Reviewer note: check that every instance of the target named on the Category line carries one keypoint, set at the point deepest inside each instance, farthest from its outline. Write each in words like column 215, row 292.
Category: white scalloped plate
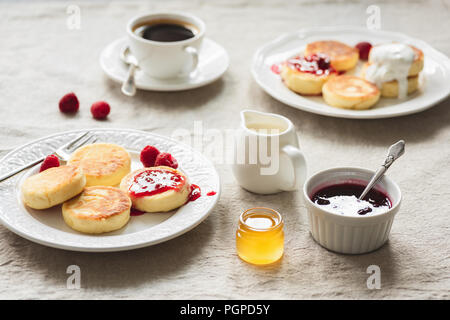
column 47, row 227
column 434, row 79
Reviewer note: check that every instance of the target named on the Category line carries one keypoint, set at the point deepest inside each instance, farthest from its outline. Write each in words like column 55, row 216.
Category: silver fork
column 62, row 152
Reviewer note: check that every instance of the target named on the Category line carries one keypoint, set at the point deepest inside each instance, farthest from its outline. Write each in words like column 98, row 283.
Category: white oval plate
column 213, row 62
column 434, row 79
column 47, row 227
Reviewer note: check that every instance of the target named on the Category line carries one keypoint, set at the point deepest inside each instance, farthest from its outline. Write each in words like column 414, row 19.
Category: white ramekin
column 349, row 234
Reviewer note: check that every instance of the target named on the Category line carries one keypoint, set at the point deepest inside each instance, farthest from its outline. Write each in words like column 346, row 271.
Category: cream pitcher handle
column 299, row 163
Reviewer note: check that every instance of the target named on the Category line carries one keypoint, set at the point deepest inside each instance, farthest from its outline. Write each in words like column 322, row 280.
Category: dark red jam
column 211, row 193
column 136, row 212
column 318, row 64
column 154, row 181
column 343, row 199
column 195, row 193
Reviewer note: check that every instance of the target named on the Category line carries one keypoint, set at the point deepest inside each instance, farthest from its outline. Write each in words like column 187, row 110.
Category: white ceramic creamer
column 267, row 157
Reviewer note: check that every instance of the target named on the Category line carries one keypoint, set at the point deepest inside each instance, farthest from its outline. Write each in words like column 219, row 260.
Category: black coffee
column 165, row 31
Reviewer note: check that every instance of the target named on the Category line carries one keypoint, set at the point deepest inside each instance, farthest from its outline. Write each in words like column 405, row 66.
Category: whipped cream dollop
column 390, row 62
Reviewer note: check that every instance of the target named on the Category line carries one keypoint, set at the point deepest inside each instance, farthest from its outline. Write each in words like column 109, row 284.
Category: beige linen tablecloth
column 41, row 60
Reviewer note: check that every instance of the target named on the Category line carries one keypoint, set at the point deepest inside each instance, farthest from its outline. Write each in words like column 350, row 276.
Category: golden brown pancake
column 342, row 56
column 302, row 82
column 416, row 66
column 350, row 92
column 97, row 209
column 103, row 164
column 389, row 89
column 146, row 197
column 52, row 186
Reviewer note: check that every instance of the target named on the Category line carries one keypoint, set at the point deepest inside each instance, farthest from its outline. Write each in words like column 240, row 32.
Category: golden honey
column 260, row 236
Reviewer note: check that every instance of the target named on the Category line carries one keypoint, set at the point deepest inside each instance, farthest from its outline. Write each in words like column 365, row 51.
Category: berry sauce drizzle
column 343, row 199
column 155, row 181
column 211, row 193
column 318, row 64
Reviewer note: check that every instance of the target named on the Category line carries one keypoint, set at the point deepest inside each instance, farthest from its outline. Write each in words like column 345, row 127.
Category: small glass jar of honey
column 260, row 236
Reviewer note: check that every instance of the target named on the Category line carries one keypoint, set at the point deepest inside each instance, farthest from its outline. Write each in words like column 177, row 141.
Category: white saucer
column 434, row 79
column 213, row 62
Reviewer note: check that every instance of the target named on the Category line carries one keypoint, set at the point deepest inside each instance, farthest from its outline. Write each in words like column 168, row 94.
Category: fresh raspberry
column 149, row 155
column 100, row 110
column 69, row 103
column 166, row 159
column 49, row 162
column 364, row 49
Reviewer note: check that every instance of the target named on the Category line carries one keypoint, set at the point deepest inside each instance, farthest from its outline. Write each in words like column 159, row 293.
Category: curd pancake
column 390, row 89
column 418, row 62
column 350, row 92
column 342, row 56
column 393, row 49
column 394, row 68
column 52, row 186
column 97, row 210
column 156, row 189
column 104, row 164
column 307, row 75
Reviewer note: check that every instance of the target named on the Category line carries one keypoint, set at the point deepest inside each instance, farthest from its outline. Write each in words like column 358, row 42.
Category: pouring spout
column 249, row 116
column 257, row 120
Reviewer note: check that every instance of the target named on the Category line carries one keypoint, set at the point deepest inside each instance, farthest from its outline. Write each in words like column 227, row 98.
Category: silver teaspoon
column 129, row 85
column 394, row 152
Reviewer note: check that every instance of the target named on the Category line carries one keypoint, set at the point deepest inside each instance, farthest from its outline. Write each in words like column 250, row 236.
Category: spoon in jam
column 395, row 151
column 129, row 86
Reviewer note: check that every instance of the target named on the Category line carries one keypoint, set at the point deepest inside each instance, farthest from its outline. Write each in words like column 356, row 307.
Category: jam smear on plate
column 196, row 192
column 276, row 68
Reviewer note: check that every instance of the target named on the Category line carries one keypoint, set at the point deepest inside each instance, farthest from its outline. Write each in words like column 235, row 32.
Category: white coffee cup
column 166, row 59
